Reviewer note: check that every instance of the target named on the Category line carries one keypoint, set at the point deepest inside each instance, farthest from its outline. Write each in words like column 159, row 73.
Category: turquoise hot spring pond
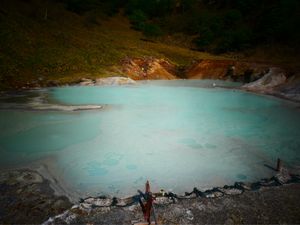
column 178, row 134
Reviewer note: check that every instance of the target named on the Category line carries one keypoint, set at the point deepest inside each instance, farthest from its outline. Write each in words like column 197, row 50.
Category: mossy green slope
column 66, row 46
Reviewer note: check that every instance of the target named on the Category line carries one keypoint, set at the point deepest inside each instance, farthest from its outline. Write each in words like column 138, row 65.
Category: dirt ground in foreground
column 275, row 205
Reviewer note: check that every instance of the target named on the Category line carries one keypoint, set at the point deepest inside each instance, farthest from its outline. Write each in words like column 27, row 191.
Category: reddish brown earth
column 219, row 69
column 148, row 69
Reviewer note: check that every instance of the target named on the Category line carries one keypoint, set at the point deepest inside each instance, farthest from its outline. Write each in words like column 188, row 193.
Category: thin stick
column 154, row 214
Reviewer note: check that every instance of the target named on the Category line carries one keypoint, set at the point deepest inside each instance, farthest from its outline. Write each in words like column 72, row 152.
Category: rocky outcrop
column 86, row 82
column 291, row 88
column 277, row 82
column 226, row 69
column 148, row 68
column 269, row 81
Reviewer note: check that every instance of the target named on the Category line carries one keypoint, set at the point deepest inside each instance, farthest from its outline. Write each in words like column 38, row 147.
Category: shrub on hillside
column 151, row 30
column 138, row 19
column 234, row 40
column 205, row 38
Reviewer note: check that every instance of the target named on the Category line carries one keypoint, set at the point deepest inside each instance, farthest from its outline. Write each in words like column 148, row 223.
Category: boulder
column 283, row 176
column 86, row 82
column 189, row 215
column 291, row 89
column 163, row 201
column 121, row 202
column 231, row 191
column 269, row 81
column 99, row 202
column 213, row 194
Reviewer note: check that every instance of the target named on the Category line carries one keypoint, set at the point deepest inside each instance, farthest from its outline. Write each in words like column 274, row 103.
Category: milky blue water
column 177, row 134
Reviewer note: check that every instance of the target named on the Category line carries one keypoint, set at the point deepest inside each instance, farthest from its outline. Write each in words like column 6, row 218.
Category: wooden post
column 279, row 165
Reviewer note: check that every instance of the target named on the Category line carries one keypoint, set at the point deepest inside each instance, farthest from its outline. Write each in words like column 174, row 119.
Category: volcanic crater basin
column 178, row 134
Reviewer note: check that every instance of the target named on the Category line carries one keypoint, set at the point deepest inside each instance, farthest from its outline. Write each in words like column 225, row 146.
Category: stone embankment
column 190, row 208
column 27, row 197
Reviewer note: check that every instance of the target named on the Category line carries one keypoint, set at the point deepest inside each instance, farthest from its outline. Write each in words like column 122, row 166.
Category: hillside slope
column 66, row 46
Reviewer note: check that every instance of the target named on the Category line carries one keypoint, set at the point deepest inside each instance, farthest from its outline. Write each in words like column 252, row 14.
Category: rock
column 242, row 186
column 28, row 177
column 114, row 81
column 178, row 211
column 231, row 191
column 99, row 202
column 86, row 82
column 291, row 89
column 214, row 193
column 189, row 196
column 190, row 215
column 85, row 206
column 163, row 201
column 102, row 209
column 272, row 79
column 201, row 207
column 133, row 208
column 268, row 182
column 124, row 201
column 283, row 176
column 67, row 217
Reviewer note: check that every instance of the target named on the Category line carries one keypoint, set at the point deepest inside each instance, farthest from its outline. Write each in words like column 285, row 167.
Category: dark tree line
column 219, row 25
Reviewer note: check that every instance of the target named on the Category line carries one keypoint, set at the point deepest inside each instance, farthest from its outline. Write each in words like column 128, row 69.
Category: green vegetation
column 219, row 26
column 68, row 46
column 226, row 25
column 65, row 40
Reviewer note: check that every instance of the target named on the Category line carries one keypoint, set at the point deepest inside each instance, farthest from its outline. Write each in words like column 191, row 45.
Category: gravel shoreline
column 28, row 198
